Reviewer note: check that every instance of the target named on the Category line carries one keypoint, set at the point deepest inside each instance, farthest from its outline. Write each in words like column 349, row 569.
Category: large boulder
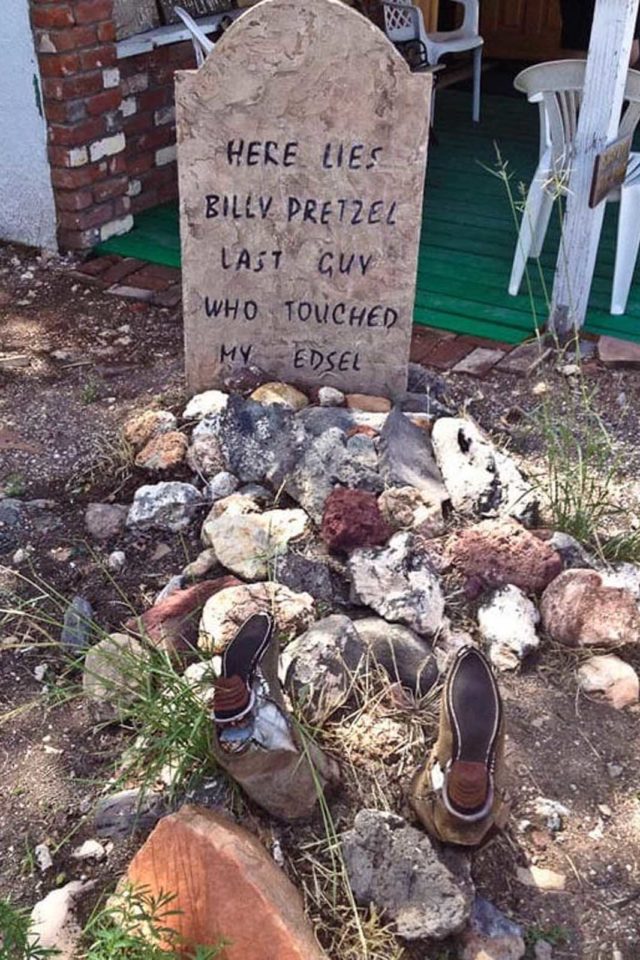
column 172, row 623
column 497, row 552
column 398, row 582
column 481, row 480
column 352, row 519
column 323, row 664
column 167, row 506
column 225, row 887
column 396, row 867
column 610, row 678
column 508, row 621
column 248, row 543
column 580, row 610
column 225, row 612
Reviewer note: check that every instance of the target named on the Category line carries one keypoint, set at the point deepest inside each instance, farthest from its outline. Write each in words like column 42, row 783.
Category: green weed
column 14, row 485
column 16, row 943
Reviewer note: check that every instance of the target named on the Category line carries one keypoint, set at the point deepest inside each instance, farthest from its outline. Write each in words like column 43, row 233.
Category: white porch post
column 608, row 61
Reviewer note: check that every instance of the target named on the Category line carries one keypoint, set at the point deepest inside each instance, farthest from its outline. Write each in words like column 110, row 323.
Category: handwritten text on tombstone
column 302, row 151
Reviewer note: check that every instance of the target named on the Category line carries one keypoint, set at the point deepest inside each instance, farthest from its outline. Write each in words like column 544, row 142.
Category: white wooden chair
column 201, row 43
column 404, row 22
column 557, row 89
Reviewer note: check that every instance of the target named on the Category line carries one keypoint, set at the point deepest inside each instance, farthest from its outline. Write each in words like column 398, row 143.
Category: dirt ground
column 92, row 358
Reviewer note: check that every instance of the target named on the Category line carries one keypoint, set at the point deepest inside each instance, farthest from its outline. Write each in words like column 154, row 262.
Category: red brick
column 486, row 344
column 72, row 179
column 77, row 135
column 73, row 38
column 144, row 280
column 144, row 200
column 122, row 269
column 158, row 176
column 107, row 32
column 59, row 64
column 117, row 164
column 91, row 11
column 74, row 199
column 121, row 206
column 163, row 73
column 152, row 99
column 99, row 57
column 103, row 102
column 65, row 111
column 446, row 353
column 153, row 139
column 107, row 189
column 69, row 88
column 98, row 265
column 84, row 219
column 51, row 17
column 137, row 123
column 139, row 162
column 168, row 191
column 479, row 362
column 78, row 239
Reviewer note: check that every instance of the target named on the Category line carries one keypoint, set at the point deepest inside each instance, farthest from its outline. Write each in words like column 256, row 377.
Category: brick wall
column 111, row 123
column 148, row 109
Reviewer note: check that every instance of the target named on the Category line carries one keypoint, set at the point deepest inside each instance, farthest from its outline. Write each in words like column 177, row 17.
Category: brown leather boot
column 459, row 793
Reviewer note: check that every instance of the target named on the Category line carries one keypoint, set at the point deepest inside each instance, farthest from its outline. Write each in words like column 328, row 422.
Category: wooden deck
column 468, row 232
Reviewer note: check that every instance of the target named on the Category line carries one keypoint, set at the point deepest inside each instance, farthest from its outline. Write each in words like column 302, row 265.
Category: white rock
column 227, row 610
column 116, row 561
column 247, row 544
column 398, row 582
column 612, row 678
column 205, row 405
column 481, row 480
column 43, row 857
column 164, row 506
column 330, row 397
column 53, row 925
column 625, row 575
column 40, row 671
column 89, row 850
column 541, row 878
column 508, row 623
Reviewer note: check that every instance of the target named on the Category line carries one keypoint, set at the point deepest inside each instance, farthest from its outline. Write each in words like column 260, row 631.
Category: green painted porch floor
column 468, row 231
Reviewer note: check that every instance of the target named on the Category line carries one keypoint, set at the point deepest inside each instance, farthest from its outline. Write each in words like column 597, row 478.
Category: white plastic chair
column 557, row 89
column 201, row 43
column 466, row 37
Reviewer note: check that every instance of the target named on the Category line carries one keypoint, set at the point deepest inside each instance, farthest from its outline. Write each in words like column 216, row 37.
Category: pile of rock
column 334, row 516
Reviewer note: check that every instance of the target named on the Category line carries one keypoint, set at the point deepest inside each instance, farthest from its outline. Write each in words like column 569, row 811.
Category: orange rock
column 362, row 401
column 142, row 427
column 226, row 887
column 163, row 452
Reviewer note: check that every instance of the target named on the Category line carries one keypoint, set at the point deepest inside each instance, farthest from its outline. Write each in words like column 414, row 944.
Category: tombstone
column 302, row 145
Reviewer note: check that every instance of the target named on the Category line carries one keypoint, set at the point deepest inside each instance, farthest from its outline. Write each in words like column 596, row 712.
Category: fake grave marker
column 302, row 146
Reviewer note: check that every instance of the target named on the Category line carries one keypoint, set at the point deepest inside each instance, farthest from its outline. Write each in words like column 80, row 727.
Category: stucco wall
column 27, row 212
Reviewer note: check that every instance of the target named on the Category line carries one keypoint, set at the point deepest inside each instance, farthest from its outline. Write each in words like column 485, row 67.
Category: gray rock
column 491, row 934
column 223, row 484
column 481, row 480
column 328, row 461
column 317, row 420
column 306, row 568
column 205, row 457
column 12, row 523
column 204, row 562
column 256, row 440
column 129, row 812
column 177, row 582
column 407, row 458
column 116, row 561
column 508, row 621
column 425, row 403
column 104, row 521
column 422, row 380
column 78, row 625
column 399, row 583
column 330, row 397
column 400, row 652
column 573, row 554
column 164, row 506
column 322, row 665
column 395, row 867
column 257, row 493
column 114, row 675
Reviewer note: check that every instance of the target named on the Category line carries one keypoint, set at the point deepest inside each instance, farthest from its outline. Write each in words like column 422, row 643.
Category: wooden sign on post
column 610, row 169
column 302, row 147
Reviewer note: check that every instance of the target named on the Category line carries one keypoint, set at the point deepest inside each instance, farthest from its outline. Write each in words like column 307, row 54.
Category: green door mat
column 468, row 231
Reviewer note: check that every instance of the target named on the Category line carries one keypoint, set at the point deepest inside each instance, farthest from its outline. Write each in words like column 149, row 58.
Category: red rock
column 498, row 552
column 362, row 401
column 364, row 429
column 172, row 624
column 580, row 611
column 163, row 452
column 352, row 519
column 225, row 887
column 142, row 427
